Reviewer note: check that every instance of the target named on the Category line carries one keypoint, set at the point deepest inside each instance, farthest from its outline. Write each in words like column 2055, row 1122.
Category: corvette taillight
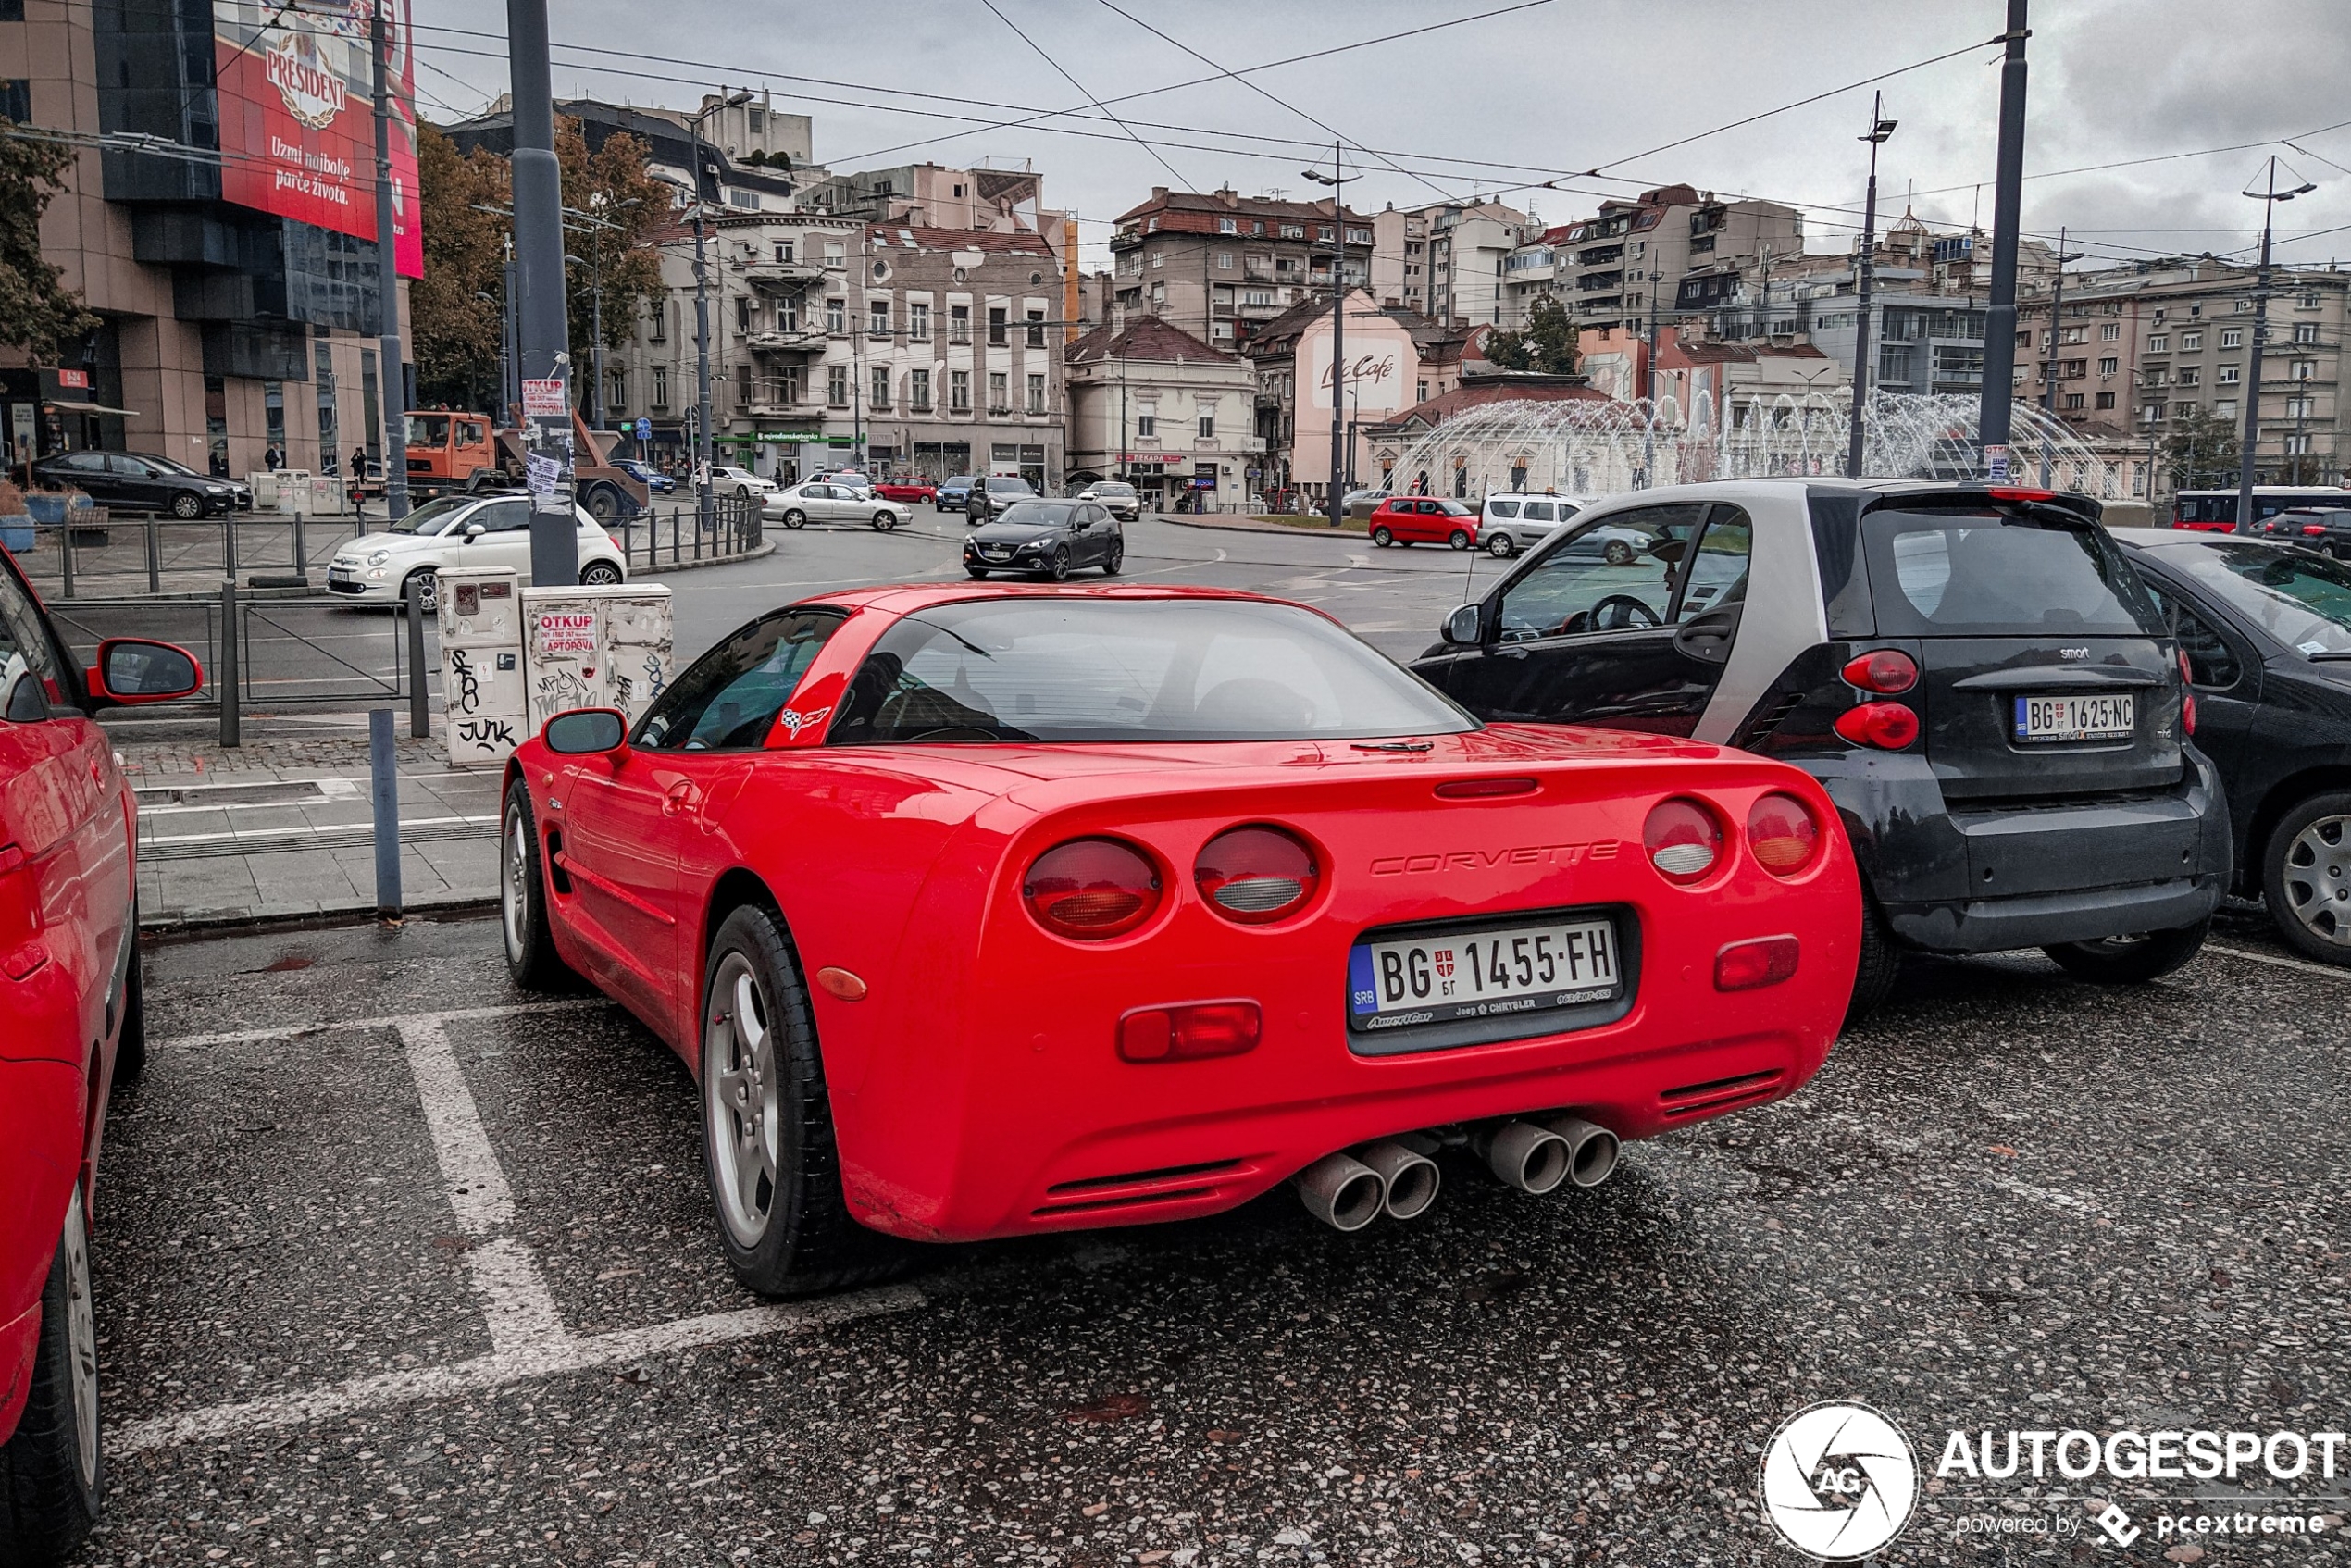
column 1190, row 1032
column 1888, row 725
column 1887, row 671
column 1745, row 967
column 1257, row 876
column 1091, row 888
column 1682, row 839
column 1782, row 834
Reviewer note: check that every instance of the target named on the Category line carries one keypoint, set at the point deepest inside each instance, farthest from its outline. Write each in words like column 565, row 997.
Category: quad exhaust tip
column 1408, row 1179
column 1591, row 1150
column 1533, row 1159
column 1341, row 1192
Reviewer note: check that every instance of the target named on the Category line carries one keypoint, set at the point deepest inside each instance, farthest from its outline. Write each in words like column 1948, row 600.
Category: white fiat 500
column 460, row 530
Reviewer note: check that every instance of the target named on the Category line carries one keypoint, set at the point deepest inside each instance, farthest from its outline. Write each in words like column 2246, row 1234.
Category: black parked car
column 2266, row 629
column 2325, row 529
column 991, row 493
column 1977, row 676
column 1053, row 537
column 140, row 482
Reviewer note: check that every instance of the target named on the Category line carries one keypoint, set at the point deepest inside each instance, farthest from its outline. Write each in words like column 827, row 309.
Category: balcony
column 787, row 340
column 782, row 275
column 779, row 404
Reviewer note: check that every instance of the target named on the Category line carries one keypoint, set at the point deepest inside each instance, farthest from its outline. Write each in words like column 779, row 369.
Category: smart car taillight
column 1888, row 725
column 1256, row 874
column 1190, row 1032
column 1745, row 967
column 1782, row 834
column 1091, row 888
column 1887, row 671
column 1682, row 838
column 2187, row 693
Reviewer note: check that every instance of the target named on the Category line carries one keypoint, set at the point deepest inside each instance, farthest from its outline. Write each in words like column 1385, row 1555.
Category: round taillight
column 1888, row 725
column 1887, row 671
column 1782, row 834
column 1682, row 839
column 1091, row 889
column 1256, row 874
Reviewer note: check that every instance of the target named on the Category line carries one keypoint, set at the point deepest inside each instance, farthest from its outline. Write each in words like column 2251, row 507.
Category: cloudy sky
column 2189, row 97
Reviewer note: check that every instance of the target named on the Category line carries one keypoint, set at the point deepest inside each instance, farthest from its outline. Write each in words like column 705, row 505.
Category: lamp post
column 1994, row 411
column 1880, row 129
column 1648, row 385
column 395, row 380
column 1337, row 501
column 542, row 326
column 2269, row 196
column 704, row 506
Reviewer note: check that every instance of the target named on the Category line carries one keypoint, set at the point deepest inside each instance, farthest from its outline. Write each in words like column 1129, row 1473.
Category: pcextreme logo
column 1839, row 1480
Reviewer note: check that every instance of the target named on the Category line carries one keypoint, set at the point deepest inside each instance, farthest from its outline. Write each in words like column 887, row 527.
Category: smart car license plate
column 2076, row 718
column 1439, row 978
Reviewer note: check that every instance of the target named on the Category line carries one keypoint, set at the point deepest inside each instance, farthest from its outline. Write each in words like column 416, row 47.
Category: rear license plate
column 2076, row 718
column 1437, row 977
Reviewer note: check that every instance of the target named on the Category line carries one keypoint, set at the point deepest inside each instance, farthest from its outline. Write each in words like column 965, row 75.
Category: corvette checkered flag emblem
column 1839, row 1481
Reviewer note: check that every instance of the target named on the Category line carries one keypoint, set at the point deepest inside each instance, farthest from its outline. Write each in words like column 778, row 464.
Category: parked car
column 1424, row 519
column 142, row 482
column 725, row 478
column 76, row 1026
column 848, row 478
column 460, row 530
column 911, row 492
column 991, row 493
column 1048, row 538
column 1362, row 503
column 2266, row 630
column 1977, row 676
column 2325, row 530
column 1508, row 524
column 954, row 493
column 1128, row 961
column 1124, row 502
column 644, row 473
column 833, row 501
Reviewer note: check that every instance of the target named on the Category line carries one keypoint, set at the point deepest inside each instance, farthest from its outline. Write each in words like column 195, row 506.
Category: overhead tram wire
column 1062, row 72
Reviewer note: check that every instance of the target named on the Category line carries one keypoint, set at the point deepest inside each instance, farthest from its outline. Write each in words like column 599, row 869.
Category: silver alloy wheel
column 427, row 584
column 740, row 1100
column 513, row 884
column 2318, row 879
column 82, row 1341
column 602, row 574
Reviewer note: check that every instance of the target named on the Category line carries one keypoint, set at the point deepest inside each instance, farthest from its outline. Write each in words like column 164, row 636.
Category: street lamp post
column 395, row 380
column 2269, row 196
column 1649, row 384
column 1337, row 499
column 705, row 507
column 1880, row 129
column 1996, row 411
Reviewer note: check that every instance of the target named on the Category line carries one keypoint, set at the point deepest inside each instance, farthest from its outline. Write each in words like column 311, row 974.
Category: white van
column 1509, row 524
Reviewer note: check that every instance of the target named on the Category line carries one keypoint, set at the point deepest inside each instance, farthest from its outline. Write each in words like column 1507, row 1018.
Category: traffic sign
column 644, row 428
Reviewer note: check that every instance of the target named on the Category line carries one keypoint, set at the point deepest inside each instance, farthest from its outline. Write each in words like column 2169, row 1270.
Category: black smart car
column 1977, row 676
column 1049, row 538
column 2266, row 630
column 140, row 482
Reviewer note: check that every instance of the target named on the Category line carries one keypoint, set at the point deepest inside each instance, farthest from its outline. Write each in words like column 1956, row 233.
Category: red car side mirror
column 131, row 670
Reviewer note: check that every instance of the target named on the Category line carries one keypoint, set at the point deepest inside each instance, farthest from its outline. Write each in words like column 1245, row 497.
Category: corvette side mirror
column 1461, row 628
column 586, row 731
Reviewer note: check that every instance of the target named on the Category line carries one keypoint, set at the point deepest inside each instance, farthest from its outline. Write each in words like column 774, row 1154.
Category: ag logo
column 1839, row 1480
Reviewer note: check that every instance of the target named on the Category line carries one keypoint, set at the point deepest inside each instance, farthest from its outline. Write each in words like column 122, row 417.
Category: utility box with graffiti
column 594, row 648
column 482, row 664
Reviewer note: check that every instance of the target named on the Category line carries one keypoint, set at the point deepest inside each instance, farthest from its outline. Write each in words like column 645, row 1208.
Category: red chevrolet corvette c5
column 980, row 910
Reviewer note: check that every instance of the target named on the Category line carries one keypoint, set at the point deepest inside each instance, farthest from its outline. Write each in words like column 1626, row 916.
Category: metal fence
column 654, row 539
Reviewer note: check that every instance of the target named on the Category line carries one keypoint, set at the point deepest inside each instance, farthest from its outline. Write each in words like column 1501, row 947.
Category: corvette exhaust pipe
column 1342, row 1191
column 1408, row 1179
column 1531, row 1158
column 1591, row 1150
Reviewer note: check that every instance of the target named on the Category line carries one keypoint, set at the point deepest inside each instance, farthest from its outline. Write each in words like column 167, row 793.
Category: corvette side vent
column 1130, row 1190
column 1143, row 1179
column 1720, row 1094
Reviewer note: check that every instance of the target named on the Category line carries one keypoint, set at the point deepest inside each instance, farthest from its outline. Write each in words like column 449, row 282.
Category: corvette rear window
column 1993, row 574
column 1134, row 670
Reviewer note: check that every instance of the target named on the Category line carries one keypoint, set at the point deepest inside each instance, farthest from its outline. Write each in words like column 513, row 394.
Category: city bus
column 2215, row 511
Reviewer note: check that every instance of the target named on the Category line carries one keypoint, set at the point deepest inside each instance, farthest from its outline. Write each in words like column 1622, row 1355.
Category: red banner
column 297, row 118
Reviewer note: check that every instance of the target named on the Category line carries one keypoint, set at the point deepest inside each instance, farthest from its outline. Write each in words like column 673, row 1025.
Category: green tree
column 2203, row 450
column 1545, row 343
column 627, row 211
column 38, row 313
column 455, row 309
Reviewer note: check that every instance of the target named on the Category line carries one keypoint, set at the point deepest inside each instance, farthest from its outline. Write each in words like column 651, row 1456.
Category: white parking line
column 2303, row 964
column 391, row 1021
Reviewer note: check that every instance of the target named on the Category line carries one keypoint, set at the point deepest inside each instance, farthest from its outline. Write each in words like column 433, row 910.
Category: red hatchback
column 1424, row 519
column 70, row 995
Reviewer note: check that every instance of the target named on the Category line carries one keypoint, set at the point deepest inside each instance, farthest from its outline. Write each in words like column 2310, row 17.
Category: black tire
column 1382, row 538
column 604, row 502
column 884, row 521
column 980, row 572
column 743, row 493
column 531, row 959
column 1501, row 547
column 1881, row 960
column 131, row 1045
column 2304, row 888
column 53, row 1470
column 427, row 584
column 187, row 506
column 599, row 574
column 1115, row 562
column 1059, row 570
column 1617, row 553
column 2132, row 960
column 804, row 1240
column 1458, row 538
column 795, row 519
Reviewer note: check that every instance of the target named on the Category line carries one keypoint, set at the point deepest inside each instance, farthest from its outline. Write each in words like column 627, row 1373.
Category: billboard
column 297, row 116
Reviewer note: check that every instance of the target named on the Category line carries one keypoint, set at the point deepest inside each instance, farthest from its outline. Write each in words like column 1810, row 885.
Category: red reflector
column 1256, row 875
column 1888, row 725
column 1887, row 671
column 1745, row 967
column 1780, row 832
column 1190, row 1032
column 1485, row 788
column 1091, row 889
column 1682, row 839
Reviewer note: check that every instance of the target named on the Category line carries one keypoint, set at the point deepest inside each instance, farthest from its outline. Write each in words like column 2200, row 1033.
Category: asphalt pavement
column 397, row 1264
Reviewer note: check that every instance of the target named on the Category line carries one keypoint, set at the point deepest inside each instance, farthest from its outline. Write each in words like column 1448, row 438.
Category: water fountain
column 1591, row 448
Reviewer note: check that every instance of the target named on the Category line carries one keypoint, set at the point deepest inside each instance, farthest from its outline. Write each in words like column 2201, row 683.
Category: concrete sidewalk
column 282, row 827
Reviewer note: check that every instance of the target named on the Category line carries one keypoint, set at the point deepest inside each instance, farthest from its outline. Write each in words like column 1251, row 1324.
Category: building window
column 2111, row 332
column 1223, row 261
column 2241, row 307
column 959, row 323
column 2190, row 375
column 996, row 334
column 661, row 387
column 2109, row 366
column 16, row 92
column 2225, row 408
column 881, row 386
column 918, row 391
column 1036, row 329
column 2072, row 400
column 836, row 254
column 1228, row 225
column 836, row 314
column 2228, row 375
column 2190, row 341
column 1208, row 424
column 742, row 385
column 2233, row 337
column 783, row 250
column 918, row 322
column 2159, row 343
column 959, row 392
column 2306, row 332
column 836, row 385
column 2106, row 400
column 616, row 393
column 1036, row 392
column 1419, row 392
column 2300, row 407
column 659, row 330
column 2182, row 410
column 2305, row 369
column 743, row 314
column 1146, row 426
column 878, row 318
column 2152, row 414
column 324, row 374
column 1000, row 396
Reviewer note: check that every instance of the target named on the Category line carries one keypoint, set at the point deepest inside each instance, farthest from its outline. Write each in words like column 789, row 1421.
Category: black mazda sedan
column 1047, row 539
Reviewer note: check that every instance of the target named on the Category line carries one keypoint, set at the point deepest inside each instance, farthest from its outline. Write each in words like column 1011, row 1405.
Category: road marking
column 2302, row 963
column 482, row 1374
column 251, row 835
column 391, row 1021
column 478, row 1190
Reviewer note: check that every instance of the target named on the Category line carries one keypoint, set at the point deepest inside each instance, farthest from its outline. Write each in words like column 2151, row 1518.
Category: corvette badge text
column 1840, row 1480
column 1476, row 860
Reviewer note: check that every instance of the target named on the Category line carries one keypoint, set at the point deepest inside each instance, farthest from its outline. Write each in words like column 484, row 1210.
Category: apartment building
column 1445, row 261
column 1221, row 264
column 1672, row 251
column 755, row 159
column 1155, row 405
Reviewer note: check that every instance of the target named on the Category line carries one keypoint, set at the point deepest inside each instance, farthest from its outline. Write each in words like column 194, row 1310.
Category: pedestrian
column 359, row 460
column 273, row 459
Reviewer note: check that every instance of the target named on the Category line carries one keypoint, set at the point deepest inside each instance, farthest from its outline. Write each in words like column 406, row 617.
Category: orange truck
column 451, row 450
